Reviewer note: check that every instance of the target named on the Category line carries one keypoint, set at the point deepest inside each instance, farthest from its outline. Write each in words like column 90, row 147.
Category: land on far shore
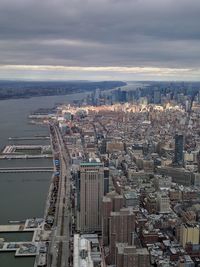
column 27, row 89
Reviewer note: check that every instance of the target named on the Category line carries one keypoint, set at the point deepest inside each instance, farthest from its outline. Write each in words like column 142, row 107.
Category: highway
column 59, row 244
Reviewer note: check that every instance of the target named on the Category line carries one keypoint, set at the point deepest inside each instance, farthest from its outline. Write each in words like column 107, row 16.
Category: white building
column 86, row 251
column 163, row 202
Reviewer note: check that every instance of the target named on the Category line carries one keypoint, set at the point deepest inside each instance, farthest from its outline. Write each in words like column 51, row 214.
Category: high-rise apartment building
column 122, row 227
column 189, row 233
column 111, row 202
column 129, row 256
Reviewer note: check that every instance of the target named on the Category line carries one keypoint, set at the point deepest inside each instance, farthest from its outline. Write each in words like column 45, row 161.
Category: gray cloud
column 143, row 33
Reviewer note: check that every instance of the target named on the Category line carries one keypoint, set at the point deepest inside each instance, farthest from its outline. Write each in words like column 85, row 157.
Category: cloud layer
column 150, row 37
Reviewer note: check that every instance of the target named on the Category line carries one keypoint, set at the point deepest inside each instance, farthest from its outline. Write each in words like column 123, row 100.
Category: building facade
column 178, row 157
column 91, row 192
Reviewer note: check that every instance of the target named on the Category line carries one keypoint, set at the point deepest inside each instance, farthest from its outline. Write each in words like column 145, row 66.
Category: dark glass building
column 179, row 142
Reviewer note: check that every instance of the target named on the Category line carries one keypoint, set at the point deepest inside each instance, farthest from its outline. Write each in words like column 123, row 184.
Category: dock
column 10, row 156
column 36, row 247
column 21, row 248
column 18, row 149
column 11, row 228
column 29, row 138
column 26, row 152
column 26, row 169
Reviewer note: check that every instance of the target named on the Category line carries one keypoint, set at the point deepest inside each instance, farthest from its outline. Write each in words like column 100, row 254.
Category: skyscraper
column 178, row 158
column 91, row 191
column 156, row 97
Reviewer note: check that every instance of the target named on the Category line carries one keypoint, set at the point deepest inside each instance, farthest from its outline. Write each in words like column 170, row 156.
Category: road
column 59, row 245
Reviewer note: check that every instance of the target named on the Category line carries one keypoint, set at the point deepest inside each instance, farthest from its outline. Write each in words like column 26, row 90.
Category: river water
column 23, row 195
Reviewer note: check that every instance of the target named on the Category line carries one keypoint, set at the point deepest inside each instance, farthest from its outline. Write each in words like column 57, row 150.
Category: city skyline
column 100, row 40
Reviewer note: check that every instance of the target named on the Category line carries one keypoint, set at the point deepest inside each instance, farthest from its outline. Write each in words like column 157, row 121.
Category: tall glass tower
column 179, row 142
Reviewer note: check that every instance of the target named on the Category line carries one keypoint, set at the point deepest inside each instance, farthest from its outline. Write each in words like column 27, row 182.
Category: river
column 23, row 195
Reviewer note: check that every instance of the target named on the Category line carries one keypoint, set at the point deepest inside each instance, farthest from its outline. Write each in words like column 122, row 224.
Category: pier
column 11, row 156
column 19, row 149
column 26, row 169
column 36, row 247
column 29, row 138
column 38, row 244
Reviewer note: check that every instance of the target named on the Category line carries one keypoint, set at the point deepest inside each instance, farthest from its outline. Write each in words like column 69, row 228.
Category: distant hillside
column 17, row 89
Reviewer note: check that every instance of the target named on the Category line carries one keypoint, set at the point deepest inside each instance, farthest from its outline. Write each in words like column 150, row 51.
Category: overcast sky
column 100, row 39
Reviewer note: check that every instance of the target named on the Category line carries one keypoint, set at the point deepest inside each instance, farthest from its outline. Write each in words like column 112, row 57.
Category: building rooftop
column 86, row 250
column 130, row 195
